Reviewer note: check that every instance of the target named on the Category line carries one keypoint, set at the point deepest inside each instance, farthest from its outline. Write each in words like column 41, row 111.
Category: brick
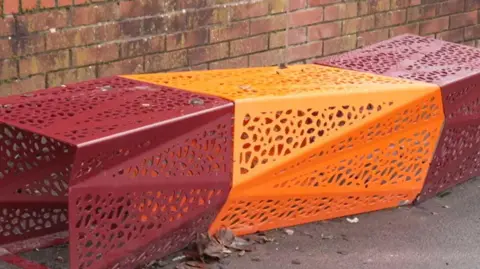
column 413, row 28
column 6, row 49
column 142, row 46
column 267, row 24
column 42, row 21
column 95, row 54
column 79, row 2
column 463, row 19
column 7, row 26
column 173, row 23
column 359, row 24
column 63, row 77
column 306, row 17
column 297, row 4
column 340, row 11
column 140, row 8
column 187, row 39
column 8, row 69
column 451, row 6
column 28, row 84
column 278, row 6
column 421, row 12
column 396, row 4
column 239, row 62
column 451, row 35
column 390, row 18
column 472, row 32
column 470, row 43
column 232, row 31
column 166, row 61
column 433, row 26
column 370, row 7
column 249, row 45
column 11, row 7
column 93, row 14
column 472, row 5
column 71, row 38
column 249, row 10
column 371, row 37
column 339, row 44
column 43, row 63
column 208, row 53
column 306, row 51
column 29, row 4
column 129, row 66
column 316, row 3
column 47, row 3
column 107, row 32
column 324, row 30
column 187, row 4
column 130, row 28
column 26, row 45
column 295, row 36
column 63, row 3
column 267, row 58
column 204, row 17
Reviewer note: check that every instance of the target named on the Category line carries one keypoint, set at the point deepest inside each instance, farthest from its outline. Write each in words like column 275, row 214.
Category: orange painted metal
column 314, row 142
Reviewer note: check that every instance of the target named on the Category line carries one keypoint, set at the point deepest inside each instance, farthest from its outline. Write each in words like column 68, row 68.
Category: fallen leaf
column 342, row 252
column 446, row 206
column 289, row 231
column 241, row 244
column 353, row 220
column 191, row 265
column 225, row 237
column 241, row 253
column 60, row 259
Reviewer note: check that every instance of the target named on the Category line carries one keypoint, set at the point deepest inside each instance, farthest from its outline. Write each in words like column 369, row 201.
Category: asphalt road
column 441, row 233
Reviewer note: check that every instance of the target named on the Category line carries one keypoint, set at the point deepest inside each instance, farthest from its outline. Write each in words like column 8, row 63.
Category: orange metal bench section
column 314, row 142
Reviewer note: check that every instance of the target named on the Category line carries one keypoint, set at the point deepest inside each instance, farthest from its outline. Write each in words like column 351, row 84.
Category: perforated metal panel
column 315, row 142
column 455, row 68
column 110, row 147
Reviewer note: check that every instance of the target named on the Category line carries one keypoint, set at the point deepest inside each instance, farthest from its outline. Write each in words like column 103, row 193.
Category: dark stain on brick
column 18, row 40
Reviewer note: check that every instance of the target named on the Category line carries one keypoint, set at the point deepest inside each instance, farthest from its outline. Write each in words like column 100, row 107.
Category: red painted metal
column 135, row 164
column 455, row 68
column 20, row 262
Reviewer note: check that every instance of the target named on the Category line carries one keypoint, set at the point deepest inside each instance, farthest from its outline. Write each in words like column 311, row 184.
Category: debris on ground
column 446, row 206
column 179, row 258
column 341, row 252
column 443, row 194
column 434, row 213
column 353, row 220
column 326, row 237
column 296, row 262
column 289, row 231
column 256, row 259
column 210, row 251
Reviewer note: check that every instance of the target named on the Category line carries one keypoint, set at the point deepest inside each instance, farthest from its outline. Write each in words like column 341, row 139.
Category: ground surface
column 441, row 233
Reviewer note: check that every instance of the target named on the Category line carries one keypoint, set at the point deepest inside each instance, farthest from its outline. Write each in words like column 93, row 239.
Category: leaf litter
column 208, row 250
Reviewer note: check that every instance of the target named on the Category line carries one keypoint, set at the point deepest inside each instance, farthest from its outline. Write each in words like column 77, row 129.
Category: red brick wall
column 45, row 43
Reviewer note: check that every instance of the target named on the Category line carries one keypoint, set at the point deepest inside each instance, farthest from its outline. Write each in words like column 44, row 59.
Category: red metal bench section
column 141, row 168
column 455, row 68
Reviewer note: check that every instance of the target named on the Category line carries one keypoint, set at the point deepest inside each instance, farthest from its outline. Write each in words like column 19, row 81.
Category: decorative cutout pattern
column 286, row 131
column 455, row 161
column 81, row 112
column 412, row 57
column 108, row 223
column 16, row 223
column 402, row 162
column 259, row 214
column 262, row 82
